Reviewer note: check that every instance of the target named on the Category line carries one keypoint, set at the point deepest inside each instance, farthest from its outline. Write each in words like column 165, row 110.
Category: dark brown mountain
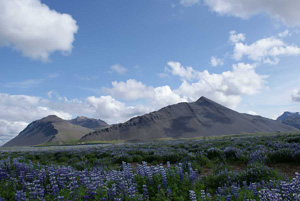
column 291, row 119
column 187, row 120
column 50, row 129
column 89, row 122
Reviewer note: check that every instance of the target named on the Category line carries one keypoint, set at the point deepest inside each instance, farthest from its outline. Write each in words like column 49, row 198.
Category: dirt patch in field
column 239, row 167
column 287, row 169
column 206, row 171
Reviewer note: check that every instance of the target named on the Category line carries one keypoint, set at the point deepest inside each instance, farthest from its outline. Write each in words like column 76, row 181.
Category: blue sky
column 115, row 59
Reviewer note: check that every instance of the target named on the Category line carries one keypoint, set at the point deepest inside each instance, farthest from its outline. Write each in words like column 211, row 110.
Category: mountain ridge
column 203, row 117
column 89, row 122
column 290, row 119
column 52, row 129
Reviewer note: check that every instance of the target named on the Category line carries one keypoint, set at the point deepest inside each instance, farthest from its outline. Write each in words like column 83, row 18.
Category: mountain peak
column 51, row 118
column 50, row 129
column 89, row 122
column 203, row 98
column 81, row 118
column 288, row 115
column 187, row 120
column 290, row 118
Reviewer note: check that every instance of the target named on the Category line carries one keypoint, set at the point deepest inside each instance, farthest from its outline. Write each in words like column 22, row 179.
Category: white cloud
column 11, row 128
column 284, row 34
column 242, row 80
column 163, row 75
column 24, row 84
column 188, row 3
column 227, row 87
column 285, row 10
column 25, row 108
column 186, row 73
column 135, row 90
column 52, row 94
column 236, row 37
column 164, row 96
column 214, row 61
column 118, row 69
column 129, row 90
column 8, row 130
column 112, row 110
column 266, row 50
column 32, row 28
column 252, row 113
column 296, row 95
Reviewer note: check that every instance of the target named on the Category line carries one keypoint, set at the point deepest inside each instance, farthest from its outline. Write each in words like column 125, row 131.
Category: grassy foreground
column 257, row 167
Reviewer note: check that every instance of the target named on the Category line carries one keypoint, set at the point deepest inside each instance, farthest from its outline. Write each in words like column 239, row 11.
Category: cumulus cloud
column 186, row 73
column 129, row 90
column 112, row 110
column 226, row 87
column 286, row 11
column 11, row 128
column 34, row 29
column 118, row 69
column 214, row 61
column 266, row 50
column 296, row 95
column 188, row 3
column 134, row 90
column 24, row 108
column 236, row 37
column 164, row 96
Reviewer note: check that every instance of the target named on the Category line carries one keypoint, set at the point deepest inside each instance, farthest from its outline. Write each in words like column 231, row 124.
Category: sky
column 115, row 59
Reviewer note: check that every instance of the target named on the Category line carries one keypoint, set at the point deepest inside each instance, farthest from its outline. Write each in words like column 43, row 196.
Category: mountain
column 89, row 122
column 291, row 119
column 50, row 129
column 187, row 120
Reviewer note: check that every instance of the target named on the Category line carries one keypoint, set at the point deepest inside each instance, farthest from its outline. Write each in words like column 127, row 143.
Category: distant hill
column 50, row 129
column 187, row 120
column 89, row 122
column 291, row 119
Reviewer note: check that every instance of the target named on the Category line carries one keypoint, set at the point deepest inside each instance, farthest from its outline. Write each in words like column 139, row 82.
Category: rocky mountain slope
column 89, row 122
column 291, row 119
column 50, row 129
column 187, row 120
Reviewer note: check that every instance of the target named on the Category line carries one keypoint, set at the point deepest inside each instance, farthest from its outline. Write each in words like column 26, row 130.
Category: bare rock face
column 89, row 122
column 187, row 120
column 50, row 129
column 290, row 119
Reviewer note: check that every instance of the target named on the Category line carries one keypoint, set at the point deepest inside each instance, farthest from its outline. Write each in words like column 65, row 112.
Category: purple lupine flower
column 145, row 192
